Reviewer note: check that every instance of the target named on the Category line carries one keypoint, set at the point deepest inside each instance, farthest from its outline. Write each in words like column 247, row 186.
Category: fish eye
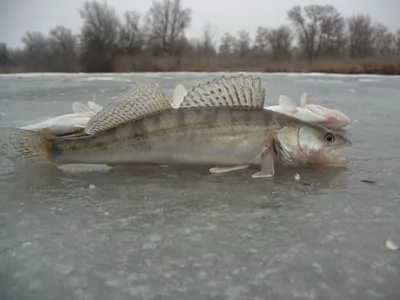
column 329, row 137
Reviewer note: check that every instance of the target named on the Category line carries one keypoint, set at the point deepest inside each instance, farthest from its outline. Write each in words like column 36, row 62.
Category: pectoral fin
column 267, row 164
column 227, row 169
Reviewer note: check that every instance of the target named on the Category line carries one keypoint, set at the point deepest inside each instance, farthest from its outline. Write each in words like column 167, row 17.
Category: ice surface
column 181, row 233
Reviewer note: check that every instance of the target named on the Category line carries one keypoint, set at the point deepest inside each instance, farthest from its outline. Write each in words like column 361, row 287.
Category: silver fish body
column 213, row 136
column 219, row 123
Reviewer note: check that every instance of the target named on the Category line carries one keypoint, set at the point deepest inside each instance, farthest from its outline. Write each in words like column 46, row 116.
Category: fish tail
column 21, row 145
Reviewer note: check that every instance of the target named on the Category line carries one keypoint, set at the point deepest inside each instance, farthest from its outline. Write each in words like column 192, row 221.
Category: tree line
column 157, row 41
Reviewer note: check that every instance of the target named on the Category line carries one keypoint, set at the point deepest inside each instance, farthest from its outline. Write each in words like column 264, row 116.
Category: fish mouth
column 327, row 157
column 309, row 157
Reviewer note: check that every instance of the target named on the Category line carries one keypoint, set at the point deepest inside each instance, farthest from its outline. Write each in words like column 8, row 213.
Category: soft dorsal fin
column 81, row 109
column 178, row 95
column 303, row 99
column 94, row 106
column 287, row 103
column 238, row 92
column 132, row 105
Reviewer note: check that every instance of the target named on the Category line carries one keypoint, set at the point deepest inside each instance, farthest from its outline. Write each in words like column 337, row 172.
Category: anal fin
column 227, row 169
column 267, row 164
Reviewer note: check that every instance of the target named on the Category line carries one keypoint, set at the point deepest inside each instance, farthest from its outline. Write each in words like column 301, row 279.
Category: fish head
column 309, row 144
column 333, row 118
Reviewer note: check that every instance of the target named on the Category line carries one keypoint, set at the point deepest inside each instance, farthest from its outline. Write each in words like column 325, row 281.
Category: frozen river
column 96, row 233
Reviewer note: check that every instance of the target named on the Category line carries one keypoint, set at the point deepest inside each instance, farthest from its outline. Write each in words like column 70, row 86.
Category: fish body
column 221, row 123
column 210, row 136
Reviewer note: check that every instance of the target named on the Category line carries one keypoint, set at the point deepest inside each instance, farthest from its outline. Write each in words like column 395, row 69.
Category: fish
column 317, row 114
column 69, row 123
column 221, row 124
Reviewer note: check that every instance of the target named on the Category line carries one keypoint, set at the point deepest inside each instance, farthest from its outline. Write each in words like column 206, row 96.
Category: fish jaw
column 312, row 157
column 324, row 158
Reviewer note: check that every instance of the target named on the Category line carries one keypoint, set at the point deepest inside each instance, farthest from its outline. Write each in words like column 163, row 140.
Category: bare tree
column 315, row 25
column 396, row 42
column 194, row 47
column 64, row 40
column 37, row 52
column 280, row 40
column 361, row 36
column 228, row 44
column 131, row 34
column 99, row 36
column 332, row 39
column 4, row 54
column 208, row 46
column 383, row 41
column 35, row 42
column 261, row 41
column 62, row 48
column 167, row 22
column 243, row 43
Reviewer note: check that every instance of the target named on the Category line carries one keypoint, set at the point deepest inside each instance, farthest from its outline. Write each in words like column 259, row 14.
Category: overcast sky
column 19, row 16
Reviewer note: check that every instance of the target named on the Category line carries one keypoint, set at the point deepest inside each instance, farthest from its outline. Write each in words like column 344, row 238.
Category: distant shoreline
column 216, row 64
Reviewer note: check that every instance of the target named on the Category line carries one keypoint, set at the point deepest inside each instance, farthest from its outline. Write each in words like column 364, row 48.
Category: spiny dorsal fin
column 178, row 95
column 287, row 103
column 131, row 105
column 81, row 109
column 239, row 92
column 303, row 99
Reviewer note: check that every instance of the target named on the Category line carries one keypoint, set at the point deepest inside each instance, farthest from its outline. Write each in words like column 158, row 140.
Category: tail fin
column 21, row 145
